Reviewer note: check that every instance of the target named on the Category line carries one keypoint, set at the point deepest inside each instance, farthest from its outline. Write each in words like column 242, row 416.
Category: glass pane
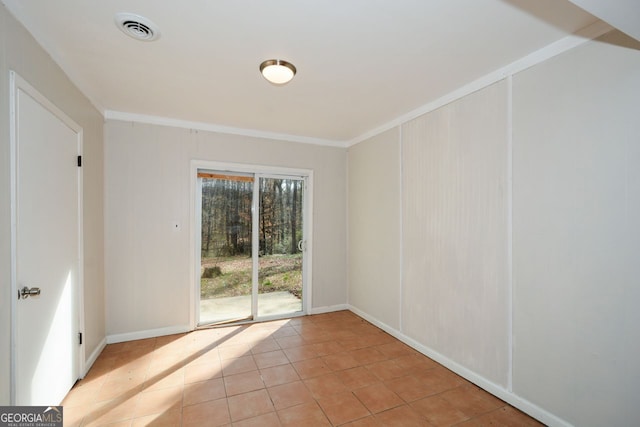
column 280, row 234
column 226, row 266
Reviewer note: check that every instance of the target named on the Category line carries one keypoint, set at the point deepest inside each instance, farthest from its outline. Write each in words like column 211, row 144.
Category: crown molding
column 572, row 41
column 212, row 127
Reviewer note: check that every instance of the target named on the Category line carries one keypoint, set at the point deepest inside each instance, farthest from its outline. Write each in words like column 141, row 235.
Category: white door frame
column 16, row 84
column 259, row 171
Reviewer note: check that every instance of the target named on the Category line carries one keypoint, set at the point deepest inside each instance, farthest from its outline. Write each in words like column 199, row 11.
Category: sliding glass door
column 226, row 240
column 281, row 241
column 251, row 245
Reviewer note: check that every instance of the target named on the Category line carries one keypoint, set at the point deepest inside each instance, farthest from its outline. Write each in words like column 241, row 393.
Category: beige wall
column 19, row 52
column 148, row 188
column 428, row 231
column 519, row 236
column 374, row 227
column 576, row 233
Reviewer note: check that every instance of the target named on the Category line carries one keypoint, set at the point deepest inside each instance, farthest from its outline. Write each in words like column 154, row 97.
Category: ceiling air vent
column 138, row 27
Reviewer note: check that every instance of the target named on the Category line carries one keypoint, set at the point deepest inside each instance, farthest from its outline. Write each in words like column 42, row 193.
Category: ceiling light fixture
column 277, row 71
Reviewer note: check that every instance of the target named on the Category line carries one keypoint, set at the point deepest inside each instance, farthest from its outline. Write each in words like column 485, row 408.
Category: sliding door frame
column 258, row 171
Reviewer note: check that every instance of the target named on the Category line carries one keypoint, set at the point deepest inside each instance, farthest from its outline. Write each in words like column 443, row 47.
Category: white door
column 47, row 214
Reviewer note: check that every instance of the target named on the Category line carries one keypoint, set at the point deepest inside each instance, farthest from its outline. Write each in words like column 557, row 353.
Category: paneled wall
column 454, row 240
column 519, row 236
column 148, row 189
column 576, row 244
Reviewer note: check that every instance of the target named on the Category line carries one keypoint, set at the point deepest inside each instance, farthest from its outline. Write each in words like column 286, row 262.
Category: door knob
column 25, row 292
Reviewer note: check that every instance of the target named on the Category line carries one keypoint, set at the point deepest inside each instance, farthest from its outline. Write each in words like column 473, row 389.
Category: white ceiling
column 361, row 63
column 622, row 14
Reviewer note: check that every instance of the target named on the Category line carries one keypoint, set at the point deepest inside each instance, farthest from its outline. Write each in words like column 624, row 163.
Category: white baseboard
column 152, row 333
column 149, row 333
column 495, row 389
column 93, row 357
column 329, row 308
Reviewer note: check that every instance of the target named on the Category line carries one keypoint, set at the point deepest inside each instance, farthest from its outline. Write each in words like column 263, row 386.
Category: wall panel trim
column 509, row 266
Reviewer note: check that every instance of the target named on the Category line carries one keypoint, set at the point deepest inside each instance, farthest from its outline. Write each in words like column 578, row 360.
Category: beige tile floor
column 323, row 370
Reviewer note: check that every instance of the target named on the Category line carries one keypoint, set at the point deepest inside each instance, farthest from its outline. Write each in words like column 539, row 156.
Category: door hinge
column 79, row 161
column 80, row 338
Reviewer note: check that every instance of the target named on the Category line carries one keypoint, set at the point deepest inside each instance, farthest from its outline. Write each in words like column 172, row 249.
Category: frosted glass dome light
column 277, row 71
